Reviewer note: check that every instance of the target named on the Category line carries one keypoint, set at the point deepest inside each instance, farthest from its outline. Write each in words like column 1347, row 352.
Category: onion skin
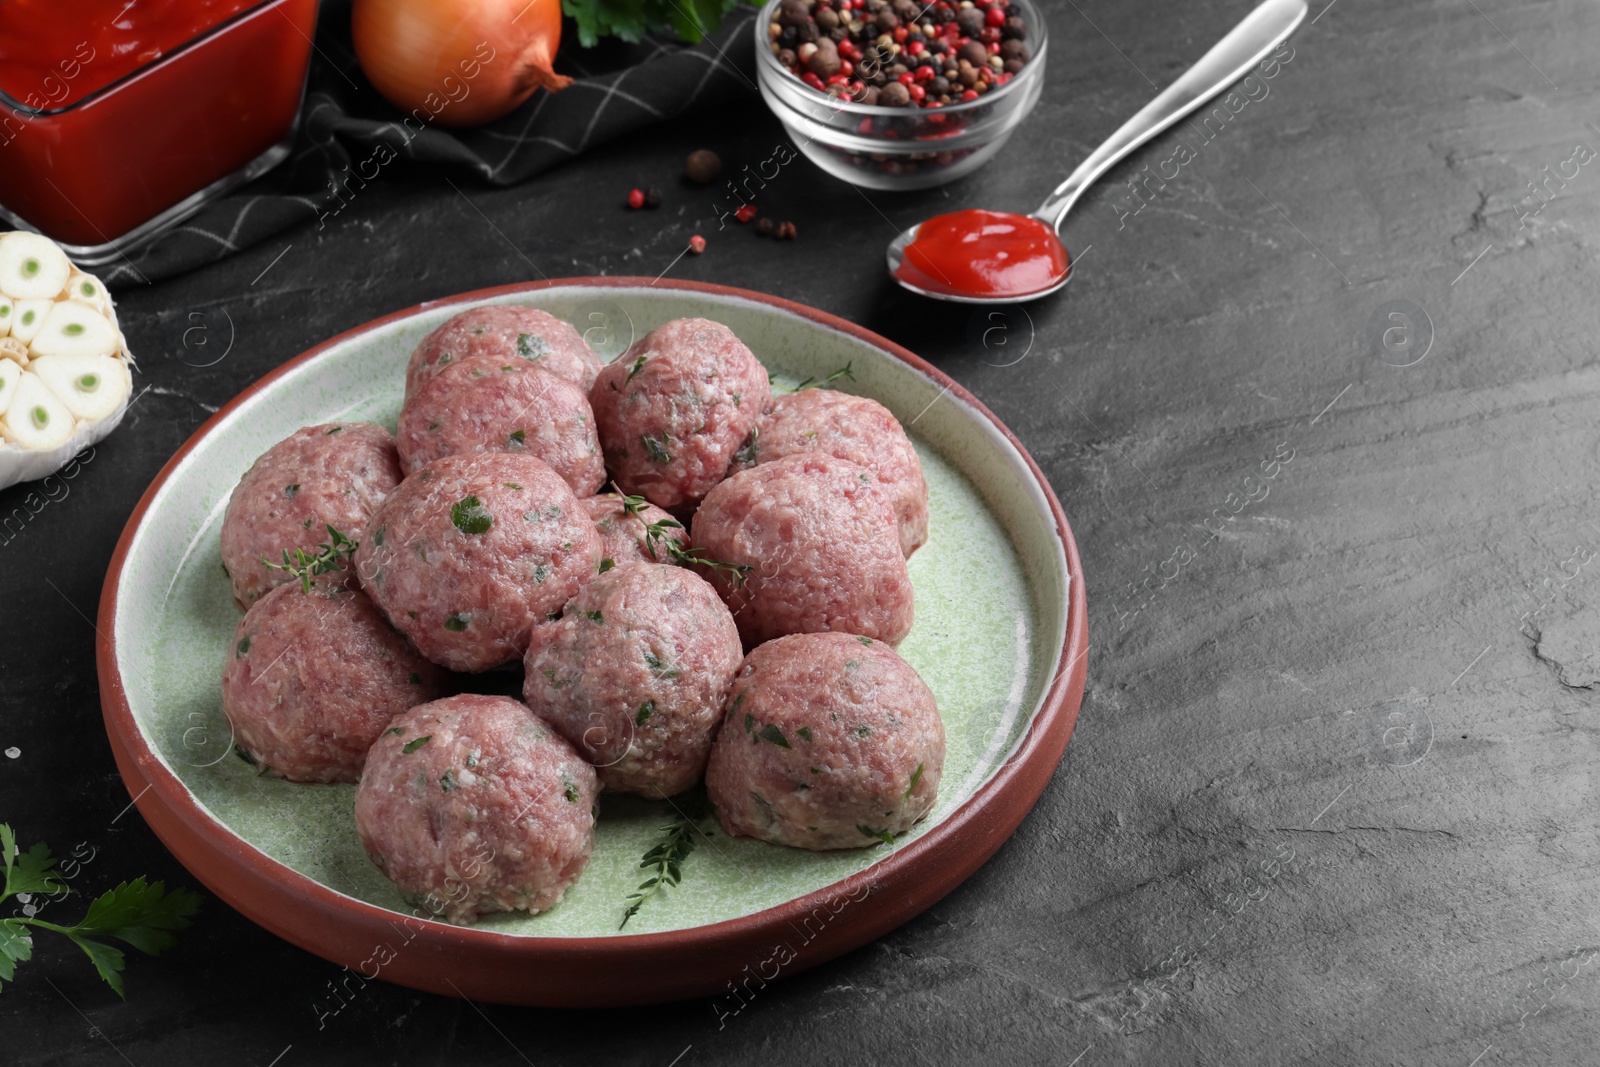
column 458, row 62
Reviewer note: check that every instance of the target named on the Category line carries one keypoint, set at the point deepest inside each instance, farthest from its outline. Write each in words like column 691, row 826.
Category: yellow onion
column 458, row 62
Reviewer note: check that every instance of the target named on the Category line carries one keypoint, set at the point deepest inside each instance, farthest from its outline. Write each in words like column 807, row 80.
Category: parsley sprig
column 665, row 860
column 137, row 913
column 325, row 560
column 630, row 20
column 655, row 534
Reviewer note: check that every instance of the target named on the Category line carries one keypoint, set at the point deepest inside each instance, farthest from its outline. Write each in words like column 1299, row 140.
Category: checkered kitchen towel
column 617, row 88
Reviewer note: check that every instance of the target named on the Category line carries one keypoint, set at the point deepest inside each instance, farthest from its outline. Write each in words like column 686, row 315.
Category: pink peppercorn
column 697, row 244
column 635, row 199
column 995, row 16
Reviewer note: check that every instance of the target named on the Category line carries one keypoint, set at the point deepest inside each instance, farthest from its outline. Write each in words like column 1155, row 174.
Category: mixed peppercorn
column 899, row 53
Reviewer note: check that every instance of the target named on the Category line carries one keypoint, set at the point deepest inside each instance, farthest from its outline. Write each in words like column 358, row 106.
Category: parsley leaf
column 630, row 20
column 138, row 913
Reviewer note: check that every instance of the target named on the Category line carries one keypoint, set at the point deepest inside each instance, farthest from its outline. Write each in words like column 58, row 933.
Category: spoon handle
column 1261, row 31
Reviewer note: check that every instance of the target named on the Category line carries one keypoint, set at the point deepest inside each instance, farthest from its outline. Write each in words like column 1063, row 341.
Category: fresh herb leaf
column 136, row 913
column 882, row 835
column 596, row 616
column 470, row 517
column 330, row 552
column 659, row 666
column 825, row 383
column 447, row 780
column 638, row 364
column 657, row 448
column 569, row 789
column 770, row 732
column 242, row 647
column 665, row 860
column 865, row 640
column 291, row 490
column 517, row 439
column 531, row 346
column 456, row 621
column 606, row 564
column 916, row 776
column 630, row 20
column 647, row 709
column 805, row 732
column 416, row 743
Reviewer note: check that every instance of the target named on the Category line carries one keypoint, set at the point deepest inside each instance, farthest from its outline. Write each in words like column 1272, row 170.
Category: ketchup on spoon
column 984, row 253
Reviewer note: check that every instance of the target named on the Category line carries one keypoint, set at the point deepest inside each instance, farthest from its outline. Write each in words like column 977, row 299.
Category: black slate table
column 1330, row 797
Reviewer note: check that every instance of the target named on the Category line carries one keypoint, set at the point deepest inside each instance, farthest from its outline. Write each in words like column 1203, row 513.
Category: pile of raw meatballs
column 729, row 614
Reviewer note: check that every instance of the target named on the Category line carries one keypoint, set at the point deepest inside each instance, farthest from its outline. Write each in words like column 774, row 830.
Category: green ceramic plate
column 992, row 632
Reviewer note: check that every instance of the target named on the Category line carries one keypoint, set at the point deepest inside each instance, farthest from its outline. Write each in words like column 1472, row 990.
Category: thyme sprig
column 655, row 533
column 324, row 561
column 665, row 859
column 826, row 383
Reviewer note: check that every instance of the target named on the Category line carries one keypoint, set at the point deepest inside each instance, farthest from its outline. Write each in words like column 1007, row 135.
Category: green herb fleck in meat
column 657, row 449
column 470, row 517
column 770, row 732
column 882, row 835
column 291, row 490
column 531, row 346
column 242, row 647
column 647, row 709
column 916, row 776
column 517, row 439
column 805, row 732
column 456, row 621
column 447, row 780
column 416, row 743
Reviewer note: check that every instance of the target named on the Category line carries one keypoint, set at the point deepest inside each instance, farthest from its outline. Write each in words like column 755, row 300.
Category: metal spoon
column 1261, row 31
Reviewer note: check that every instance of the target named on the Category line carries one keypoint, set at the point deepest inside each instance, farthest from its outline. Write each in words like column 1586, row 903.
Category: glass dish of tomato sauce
column 120, row 118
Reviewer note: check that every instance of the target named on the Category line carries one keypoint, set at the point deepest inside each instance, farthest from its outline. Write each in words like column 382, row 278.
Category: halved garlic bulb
column 74, row 329
column 10, row 374
column 32, row 267
column 28, row 318
column 65, row 369
column 36, row 420
column 91, row 387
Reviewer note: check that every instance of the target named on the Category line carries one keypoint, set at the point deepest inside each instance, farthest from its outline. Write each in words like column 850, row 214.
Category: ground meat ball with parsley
column 470, row 805
column 821, row 544
column 830, row 741
column 634, row 673
column 624, row 534
column 854, row 428
column 331, row 474
column 490, row 405
column 472, row 551
column 675, row 407
column 505, row 332
column 313, row 678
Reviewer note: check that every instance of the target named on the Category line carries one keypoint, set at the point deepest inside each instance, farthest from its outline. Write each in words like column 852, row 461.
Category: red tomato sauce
column 112, row 120
column 56, row 52
column 984, row 253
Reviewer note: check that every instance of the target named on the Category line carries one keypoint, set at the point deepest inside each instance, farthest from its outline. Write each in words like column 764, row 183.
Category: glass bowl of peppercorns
column 900, row 94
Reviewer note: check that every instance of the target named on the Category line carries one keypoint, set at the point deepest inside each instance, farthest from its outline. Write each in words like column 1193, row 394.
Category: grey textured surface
column 1329, row 800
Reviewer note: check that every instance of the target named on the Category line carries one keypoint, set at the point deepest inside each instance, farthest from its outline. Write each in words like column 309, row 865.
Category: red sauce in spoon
column 984, row 253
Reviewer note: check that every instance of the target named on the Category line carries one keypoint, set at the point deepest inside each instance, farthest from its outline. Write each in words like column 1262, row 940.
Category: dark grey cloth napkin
column 344, row 123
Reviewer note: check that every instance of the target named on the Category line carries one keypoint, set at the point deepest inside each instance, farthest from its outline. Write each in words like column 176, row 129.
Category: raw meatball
column 634, row 674
column 855, row 428
column 471, row 551
column 489, row 405
column 830, row 741
column 313, row 678
column 503, row 332
column 471, row 806
column 822, row 546
column 623, row 535
column 333, row 474
column 675, row 407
